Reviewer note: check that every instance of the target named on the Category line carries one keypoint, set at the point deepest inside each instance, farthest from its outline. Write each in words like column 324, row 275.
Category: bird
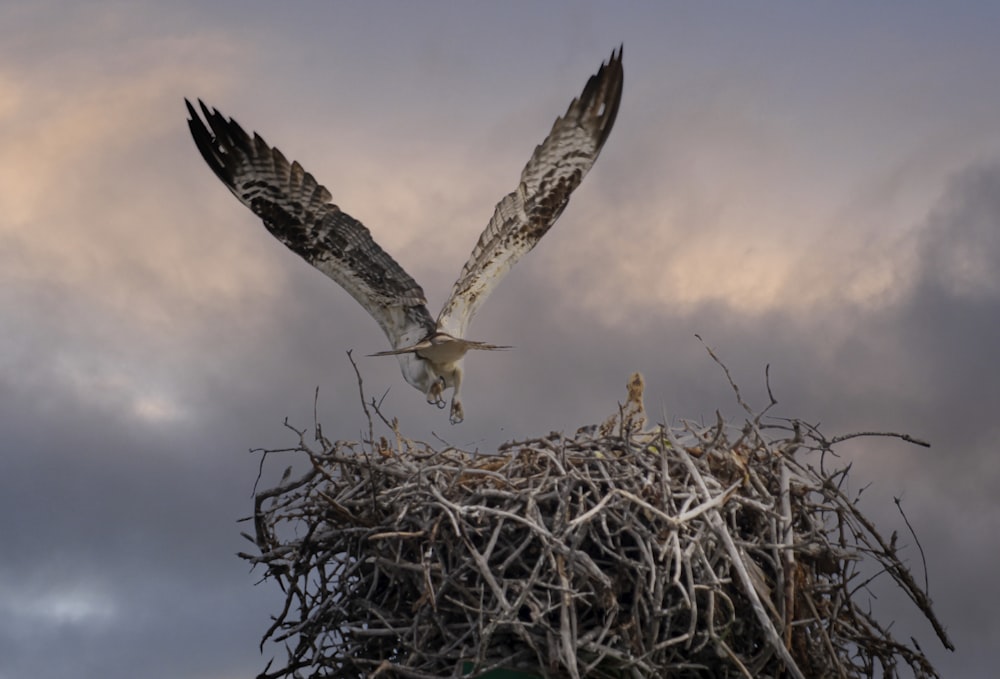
column 299, row 212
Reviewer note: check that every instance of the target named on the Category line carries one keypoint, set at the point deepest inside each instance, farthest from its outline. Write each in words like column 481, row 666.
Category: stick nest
column 620, row 551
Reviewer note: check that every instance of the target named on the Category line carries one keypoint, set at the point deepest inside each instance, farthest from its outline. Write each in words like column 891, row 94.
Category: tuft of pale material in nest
column 620, row 551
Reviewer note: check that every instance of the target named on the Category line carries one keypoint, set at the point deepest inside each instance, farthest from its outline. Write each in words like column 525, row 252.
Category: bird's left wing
column 523, row 216
column 298, row 212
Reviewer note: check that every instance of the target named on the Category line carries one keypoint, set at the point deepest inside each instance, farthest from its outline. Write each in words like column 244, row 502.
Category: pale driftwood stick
column 737, row 561
column 788, row 554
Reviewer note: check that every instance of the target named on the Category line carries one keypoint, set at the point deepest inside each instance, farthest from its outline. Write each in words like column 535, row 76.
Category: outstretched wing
column 522, row 217
column 298, row 212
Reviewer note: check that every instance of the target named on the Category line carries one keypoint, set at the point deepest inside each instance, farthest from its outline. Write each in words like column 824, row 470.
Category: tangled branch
column 688, row 551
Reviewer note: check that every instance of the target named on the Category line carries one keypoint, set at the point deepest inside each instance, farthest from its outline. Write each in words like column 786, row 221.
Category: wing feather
column 523, row 216
column 296, row 209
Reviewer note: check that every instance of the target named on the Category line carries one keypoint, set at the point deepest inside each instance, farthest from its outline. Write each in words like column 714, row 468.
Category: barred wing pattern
column 523, row 216
column 298, row 212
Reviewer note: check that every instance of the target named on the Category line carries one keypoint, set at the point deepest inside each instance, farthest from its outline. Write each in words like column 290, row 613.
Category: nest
column 619, row 551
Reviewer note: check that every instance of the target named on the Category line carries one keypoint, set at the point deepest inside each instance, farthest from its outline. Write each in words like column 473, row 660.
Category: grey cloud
column 961, row 245
column 140, row 515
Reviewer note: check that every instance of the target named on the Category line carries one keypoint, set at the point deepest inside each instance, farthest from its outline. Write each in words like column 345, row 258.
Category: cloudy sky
column 815, row 187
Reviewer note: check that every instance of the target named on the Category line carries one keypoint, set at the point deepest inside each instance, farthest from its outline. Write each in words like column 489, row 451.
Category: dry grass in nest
column 620, row 551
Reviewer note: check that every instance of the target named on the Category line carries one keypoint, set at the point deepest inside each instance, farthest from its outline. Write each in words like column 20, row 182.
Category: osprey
column 298, row 211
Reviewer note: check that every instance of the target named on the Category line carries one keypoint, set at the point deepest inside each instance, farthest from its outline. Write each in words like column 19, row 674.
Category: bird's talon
column 435, row 394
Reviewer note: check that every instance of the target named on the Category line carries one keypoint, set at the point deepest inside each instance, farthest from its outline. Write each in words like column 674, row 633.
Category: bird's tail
column 466, row 345
column 486, row 346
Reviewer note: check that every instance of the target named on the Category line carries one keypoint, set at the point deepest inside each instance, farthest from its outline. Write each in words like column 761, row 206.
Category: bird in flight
column 298, row 211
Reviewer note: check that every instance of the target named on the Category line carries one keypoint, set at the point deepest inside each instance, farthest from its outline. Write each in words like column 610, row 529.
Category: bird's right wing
column 523, row 216
column 298, row 212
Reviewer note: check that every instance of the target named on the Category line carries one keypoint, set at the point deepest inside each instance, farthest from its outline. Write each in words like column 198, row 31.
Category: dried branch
column 694, row 551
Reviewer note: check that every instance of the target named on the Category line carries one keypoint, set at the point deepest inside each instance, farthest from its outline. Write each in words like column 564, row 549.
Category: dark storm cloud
column 949, row 329
column 115, row 535
column 153, row 332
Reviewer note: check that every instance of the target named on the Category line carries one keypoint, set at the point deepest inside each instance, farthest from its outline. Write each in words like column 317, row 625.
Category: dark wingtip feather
column 606, row 85
column 597, row 106
column 218, row 139
column 206, row 141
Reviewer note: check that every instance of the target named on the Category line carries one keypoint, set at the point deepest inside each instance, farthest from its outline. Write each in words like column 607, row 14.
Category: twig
column 920, row 548
column 869, row 434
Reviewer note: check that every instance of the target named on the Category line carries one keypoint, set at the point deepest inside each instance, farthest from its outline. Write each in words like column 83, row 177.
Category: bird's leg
column 457, row 414
column 435, row 393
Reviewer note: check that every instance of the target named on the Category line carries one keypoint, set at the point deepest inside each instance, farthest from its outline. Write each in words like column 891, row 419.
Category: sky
column 814, row 187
